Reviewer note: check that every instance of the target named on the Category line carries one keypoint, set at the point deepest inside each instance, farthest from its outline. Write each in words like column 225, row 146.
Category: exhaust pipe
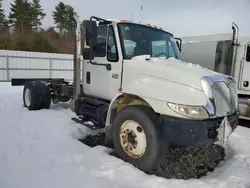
column 235, row 33
column 235, row 46
column 75, row 102
column 77, row 59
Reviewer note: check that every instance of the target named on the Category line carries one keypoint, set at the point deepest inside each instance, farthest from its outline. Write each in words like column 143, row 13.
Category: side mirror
column 179, row 43
column 90, row 31
column 86, row 54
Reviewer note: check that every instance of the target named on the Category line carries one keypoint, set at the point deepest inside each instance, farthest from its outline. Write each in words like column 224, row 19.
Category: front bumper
column 194, row 133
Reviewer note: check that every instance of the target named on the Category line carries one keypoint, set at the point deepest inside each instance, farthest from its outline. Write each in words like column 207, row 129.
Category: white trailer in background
column 225, row 53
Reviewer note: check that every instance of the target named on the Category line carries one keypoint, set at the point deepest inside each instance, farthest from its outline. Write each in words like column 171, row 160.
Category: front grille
column 225, row 97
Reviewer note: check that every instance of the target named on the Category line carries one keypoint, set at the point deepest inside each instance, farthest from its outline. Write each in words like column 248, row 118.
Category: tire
column 32, row 97
column 46, row 97
column 142, row 122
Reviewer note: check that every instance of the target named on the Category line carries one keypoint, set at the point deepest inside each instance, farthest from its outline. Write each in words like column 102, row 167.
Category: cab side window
column 248, row 53
column 112, row 53
column 101, row 43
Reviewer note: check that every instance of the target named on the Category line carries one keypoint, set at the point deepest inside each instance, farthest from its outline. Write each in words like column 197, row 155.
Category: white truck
column 224, row 53
column 136, row 88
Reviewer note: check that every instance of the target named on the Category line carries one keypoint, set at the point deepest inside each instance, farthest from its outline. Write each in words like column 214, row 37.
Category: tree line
column 22, row 28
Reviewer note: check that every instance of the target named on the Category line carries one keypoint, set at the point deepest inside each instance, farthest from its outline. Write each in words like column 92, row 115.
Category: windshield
column 143, row 40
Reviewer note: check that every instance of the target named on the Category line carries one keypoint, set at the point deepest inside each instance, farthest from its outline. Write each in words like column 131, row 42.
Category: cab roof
column 115, row 21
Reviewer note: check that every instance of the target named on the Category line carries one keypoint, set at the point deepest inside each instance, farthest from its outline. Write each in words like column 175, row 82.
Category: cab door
column 245, row 70
column 102, row 77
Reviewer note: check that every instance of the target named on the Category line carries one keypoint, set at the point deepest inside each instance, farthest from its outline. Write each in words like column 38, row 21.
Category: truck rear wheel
column 36, row 96
column 137, row 137
column 32, row 97
column 46, row 97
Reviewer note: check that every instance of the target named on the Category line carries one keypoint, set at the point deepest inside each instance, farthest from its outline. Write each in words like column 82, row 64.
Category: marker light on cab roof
column 149, row 25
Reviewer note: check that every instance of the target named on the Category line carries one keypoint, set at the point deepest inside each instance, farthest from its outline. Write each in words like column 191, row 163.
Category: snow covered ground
column 39, row 149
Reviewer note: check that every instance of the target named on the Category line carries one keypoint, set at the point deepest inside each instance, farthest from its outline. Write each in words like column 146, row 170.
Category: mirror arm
column 90, row 47
column 99, row 19
column 180, row 42
column 108, row 66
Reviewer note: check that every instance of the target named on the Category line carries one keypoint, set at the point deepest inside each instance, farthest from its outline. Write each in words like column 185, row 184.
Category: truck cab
column 135, row 85
column 119, row 44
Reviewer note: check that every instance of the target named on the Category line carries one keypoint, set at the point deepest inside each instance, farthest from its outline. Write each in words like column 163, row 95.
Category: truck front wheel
column 137, row 137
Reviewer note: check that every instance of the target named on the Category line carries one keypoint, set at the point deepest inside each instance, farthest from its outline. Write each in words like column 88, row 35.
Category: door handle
column 107, row 65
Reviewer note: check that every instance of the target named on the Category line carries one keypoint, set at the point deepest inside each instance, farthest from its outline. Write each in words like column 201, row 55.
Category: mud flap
column 224, row 132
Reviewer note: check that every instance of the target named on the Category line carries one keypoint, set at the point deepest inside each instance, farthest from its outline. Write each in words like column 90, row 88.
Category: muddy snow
column 41, row 149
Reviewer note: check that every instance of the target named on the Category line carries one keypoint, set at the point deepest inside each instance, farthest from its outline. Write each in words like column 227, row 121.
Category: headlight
column 193, row 112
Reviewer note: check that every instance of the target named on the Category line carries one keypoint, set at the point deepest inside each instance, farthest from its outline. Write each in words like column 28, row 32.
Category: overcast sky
column 180, row 17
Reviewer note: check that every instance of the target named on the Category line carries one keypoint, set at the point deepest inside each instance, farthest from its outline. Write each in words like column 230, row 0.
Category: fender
column 157, row 106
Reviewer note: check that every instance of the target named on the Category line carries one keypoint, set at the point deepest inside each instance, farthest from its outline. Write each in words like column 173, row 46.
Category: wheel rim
column 27, row 97
column 133, row 139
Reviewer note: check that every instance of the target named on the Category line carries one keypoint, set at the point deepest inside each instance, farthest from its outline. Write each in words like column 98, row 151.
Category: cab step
column 85, row 123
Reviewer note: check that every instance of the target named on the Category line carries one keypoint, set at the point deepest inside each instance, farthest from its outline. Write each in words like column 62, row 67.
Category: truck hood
column 169, row 69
